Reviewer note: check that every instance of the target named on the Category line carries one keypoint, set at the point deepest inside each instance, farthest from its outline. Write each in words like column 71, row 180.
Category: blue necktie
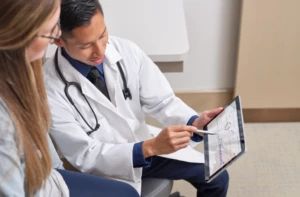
column 95, row 78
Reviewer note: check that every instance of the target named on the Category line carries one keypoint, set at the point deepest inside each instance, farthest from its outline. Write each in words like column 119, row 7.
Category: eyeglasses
column 51, row 37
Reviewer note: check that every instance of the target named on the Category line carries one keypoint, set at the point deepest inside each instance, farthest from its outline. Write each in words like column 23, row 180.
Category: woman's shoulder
column 8, row 136
column 7, row 127
column 11, row 165
column 9, row 141
column 3, row 110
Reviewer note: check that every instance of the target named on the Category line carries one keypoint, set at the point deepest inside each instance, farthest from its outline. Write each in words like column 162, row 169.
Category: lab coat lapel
column 114, row 87
column 91, row 91
column 115, row 83
column 112, row 80
column 111, row 74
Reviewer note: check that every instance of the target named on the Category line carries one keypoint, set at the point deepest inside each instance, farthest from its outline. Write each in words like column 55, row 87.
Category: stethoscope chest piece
column 127, row 94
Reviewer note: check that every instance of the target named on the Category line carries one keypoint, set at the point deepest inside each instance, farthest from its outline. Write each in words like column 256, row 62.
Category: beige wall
column 268, row 73
column 213, row 27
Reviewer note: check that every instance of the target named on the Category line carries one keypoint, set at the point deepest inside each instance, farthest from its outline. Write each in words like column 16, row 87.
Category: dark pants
column 192, row 172
column 86, row 185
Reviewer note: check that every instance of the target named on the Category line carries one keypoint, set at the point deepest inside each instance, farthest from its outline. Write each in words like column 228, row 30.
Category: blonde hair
column 22, row 86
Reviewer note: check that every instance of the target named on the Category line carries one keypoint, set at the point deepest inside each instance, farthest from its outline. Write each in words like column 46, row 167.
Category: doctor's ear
column 59, row 42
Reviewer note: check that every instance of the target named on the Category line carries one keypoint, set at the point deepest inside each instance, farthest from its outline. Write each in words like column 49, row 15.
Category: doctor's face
column 87, row 44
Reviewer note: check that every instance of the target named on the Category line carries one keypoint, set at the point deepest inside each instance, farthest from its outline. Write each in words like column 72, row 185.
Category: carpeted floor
column 270, row 168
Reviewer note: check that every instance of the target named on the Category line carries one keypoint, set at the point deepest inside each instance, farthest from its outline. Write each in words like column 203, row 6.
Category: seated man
column 100, row 88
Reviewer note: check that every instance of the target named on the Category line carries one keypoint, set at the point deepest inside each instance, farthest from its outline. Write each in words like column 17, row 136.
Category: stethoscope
column 126, row 92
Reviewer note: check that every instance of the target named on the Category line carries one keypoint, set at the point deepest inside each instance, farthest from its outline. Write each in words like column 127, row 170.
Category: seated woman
column 27, row 156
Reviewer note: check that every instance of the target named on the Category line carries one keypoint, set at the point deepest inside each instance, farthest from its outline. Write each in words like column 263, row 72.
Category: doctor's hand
column 205, row 117
column 169, row 140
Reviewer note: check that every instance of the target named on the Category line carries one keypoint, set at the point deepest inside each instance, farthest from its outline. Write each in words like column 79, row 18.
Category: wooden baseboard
column 272, row 115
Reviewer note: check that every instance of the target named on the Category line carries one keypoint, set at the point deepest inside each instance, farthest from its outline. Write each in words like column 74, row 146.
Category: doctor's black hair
column 77, row 13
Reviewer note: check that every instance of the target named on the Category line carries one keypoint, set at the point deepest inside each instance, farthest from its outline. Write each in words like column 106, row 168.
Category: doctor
column 99, row 88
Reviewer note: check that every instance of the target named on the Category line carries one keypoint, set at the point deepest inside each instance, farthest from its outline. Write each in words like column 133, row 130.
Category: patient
column 27, row 154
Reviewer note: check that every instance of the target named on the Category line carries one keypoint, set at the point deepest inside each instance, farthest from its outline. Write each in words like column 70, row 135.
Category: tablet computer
column 222, row 149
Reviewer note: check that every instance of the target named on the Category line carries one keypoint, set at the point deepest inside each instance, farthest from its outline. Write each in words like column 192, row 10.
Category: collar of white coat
column 111, row 56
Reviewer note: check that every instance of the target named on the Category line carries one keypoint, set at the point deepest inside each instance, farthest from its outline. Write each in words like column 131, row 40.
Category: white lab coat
column 108, row 151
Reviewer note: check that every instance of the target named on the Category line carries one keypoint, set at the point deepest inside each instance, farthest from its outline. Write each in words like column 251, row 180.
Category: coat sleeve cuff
column 195, row 137
column 138, row 158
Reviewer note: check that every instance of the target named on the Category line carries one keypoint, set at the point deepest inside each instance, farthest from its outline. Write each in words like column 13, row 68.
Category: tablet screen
column 222, row 149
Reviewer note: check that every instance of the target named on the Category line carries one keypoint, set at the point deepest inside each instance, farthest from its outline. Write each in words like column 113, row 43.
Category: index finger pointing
column 180, row 128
